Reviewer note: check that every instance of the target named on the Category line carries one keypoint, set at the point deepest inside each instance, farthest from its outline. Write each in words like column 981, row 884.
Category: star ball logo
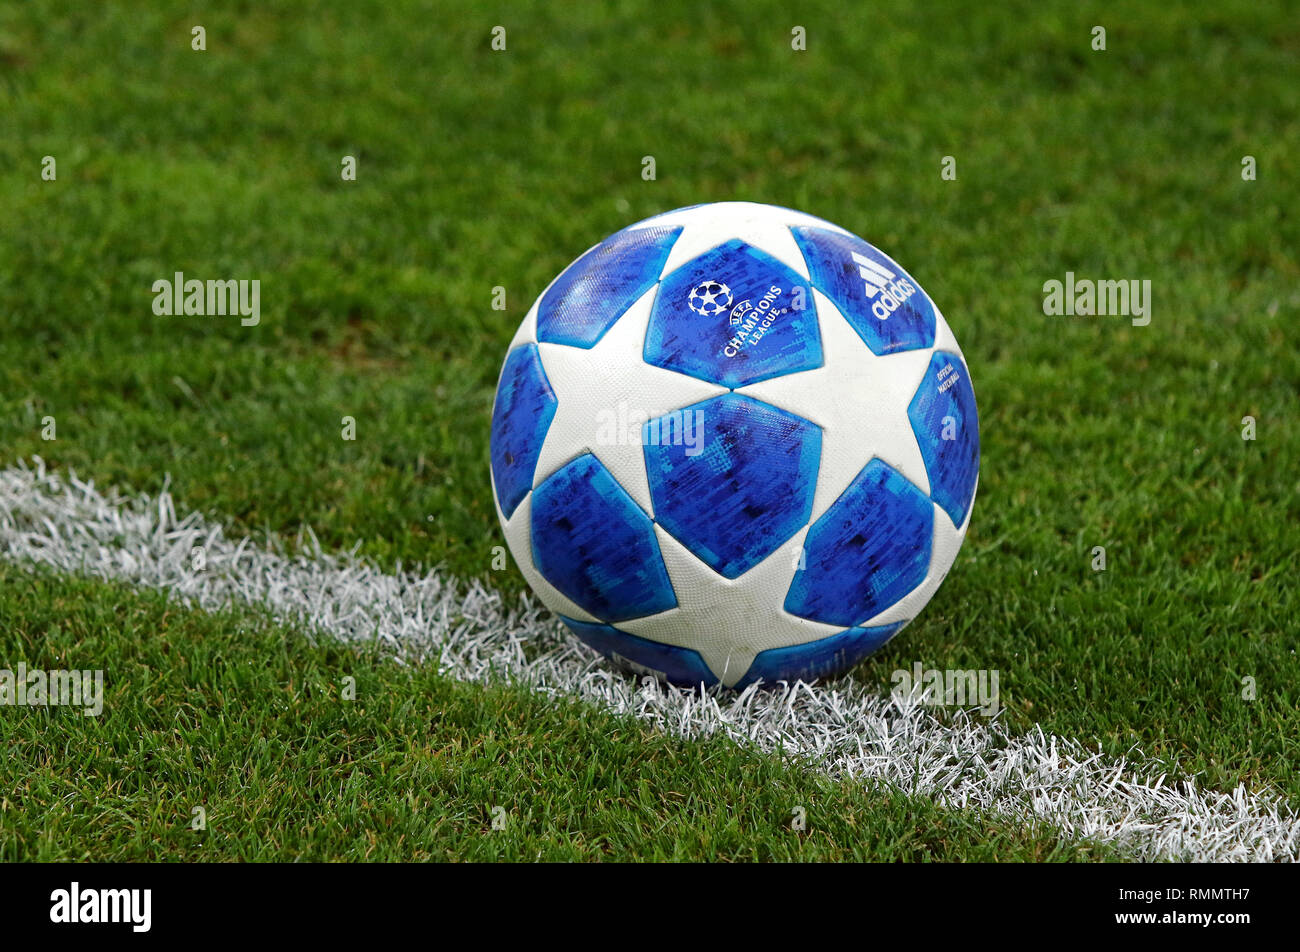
column 709, row 299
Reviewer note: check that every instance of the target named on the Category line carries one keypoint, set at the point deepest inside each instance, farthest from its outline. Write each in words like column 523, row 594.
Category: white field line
column 845, row 731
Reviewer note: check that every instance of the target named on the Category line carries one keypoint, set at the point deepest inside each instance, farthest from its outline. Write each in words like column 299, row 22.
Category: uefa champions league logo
column 709, row 299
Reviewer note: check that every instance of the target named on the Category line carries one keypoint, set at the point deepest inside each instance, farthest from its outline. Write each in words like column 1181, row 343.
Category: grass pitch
column 479, row 169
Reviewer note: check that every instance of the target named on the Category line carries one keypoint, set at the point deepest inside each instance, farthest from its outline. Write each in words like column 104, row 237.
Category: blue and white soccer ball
column 733, row 443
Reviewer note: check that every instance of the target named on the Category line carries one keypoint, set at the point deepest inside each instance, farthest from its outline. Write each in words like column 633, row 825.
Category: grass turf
column 248, row 721
column 481, row 169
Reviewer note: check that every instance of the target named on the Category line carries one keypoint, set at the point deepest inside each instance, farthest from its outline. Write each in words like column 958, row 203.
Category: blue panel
column 596, row 545
column 680, row 666
column 868, row 550
column 825, row 658
column 882, row 302
column 734, row 316
column 521, row 415
column 951, row 450
column 741, row 490
column 598, row 288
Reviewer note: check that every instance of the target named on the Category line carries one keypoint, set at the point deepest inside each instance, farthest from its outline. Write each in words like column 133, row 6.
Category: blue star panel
column 521, row 415
column 598, row 288
column 947, row 428
column 764, row 325
column 881, row 301
column 868, row 550
column 596, row 545
column 747, row 490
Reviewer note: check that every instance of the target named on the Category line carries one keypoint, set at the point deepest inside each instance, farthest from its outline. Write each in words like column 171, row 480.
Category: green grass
column 247, row 720
column 481, row 169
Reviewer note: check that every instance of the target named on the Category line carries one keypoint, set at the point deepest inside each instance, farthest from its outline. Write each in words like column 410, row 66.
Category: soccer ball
column 734, row 443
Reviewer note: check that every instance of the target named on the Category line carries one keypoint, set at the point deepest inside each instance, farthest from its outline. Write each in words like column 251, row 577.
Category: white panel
column 859, row 400
column 757, row 211
column 943, row 336
column 773, row 239
column 729, row 621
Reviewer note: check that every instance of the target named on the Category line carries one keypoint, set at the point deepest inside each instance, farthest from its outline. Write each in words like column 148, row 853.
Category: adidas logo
column 888, row 288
